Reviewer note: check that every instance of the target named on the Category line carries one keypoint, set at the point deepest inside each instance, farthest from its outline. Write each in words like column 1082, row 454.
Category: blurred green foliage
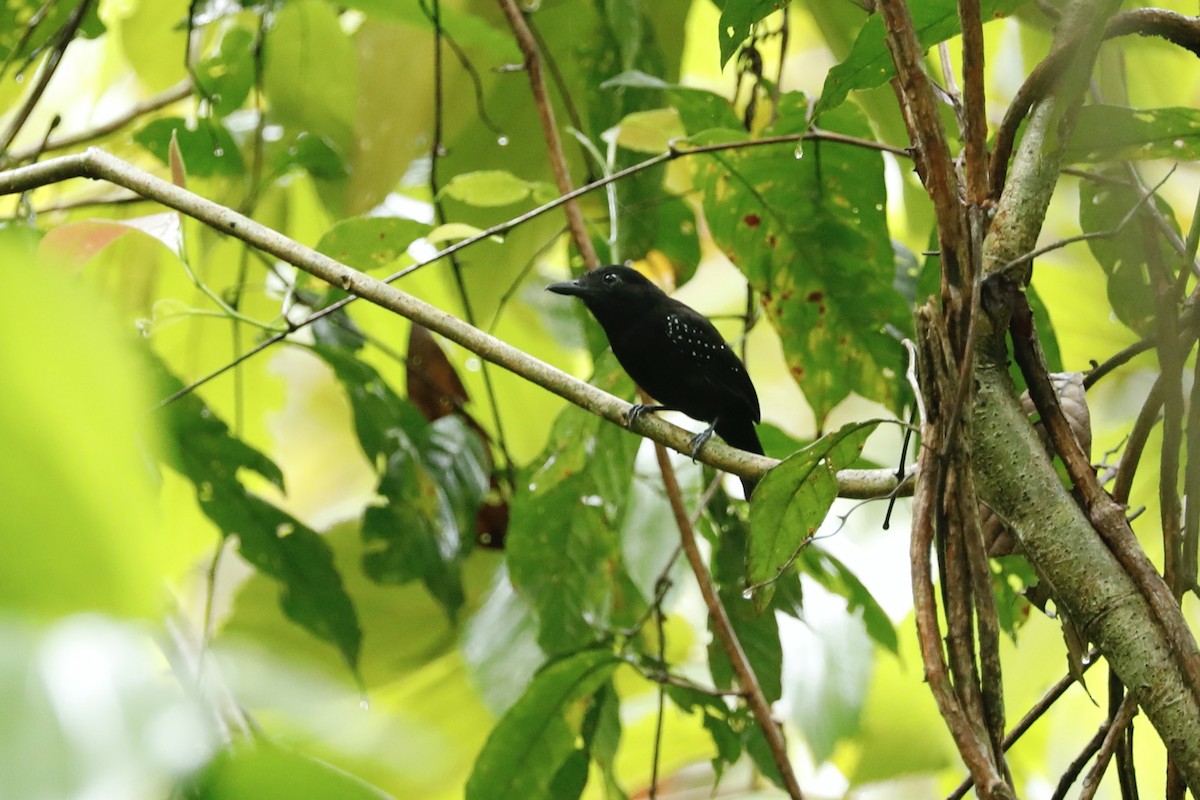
column 290, row 582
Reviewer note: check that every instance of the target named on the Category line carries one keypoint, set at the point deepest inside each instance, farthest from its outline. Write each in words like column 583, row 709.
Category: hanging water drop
column 502, row 140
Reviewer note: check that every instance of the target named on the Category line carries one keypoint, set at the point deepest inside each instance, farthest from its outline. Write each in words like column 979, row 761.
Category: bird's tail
column 739, row 432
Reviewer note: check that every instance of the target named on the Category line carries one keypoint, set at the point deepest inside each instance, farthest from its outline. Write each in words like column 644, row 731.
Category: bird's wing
column 716, row 364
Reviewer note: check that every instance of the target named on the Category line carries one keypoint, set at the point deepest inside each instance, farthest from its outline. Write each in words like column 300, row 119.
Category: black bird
column 674, row 353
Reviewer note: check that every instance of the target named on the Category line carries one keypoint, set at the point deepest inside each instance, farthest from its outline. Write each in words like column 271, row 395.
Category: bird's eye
column 610, row 277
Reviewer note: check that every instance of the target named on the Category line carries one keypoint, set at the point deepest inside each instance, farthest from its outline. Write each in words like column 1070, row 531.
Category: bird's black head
column 608, row 287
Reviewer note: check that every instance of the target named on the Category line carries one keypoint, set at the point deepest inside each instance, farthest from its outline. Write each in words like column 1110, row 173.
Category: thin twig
column 724, row 630
column 1112, row 737
column 975, row 154
column 27, row 32
column 558, row 159
column 460, row 284
column 1035, row 713
column 65, row 37
column 151, row 104
column 495, row 230
column 97, row 164
column 1085, row 237
column 1169, row 25
column 1077, row 764
column 662, row 703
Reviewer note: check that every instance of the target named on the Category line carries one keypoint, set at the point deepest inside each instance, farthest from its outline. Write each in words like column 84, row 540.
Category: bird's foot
column 637, row 410
column 700, row 439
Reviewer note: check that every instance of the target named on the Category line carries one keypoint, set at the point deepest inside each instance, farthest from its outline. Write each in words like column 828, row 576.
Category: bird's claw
column 636, row 411
column 699, row 441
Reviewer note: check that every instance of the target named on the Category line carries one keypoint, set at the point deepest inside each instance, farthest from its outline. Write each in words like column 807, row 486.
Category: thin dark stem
column 558, row 159
column 507, row 226
column 210, row 594
column 1076, row 766
column 31, row 27
column 1126, row 778
column 96, row 164
column 724, row 630
column 1031, row 716
column 65, row 37
column 1146, row 419
column 460, row 284
column 1122, row 357
column 473, row 74
column 1112, row 737
column 662, row 705
column 148, row 106
column 975, row 155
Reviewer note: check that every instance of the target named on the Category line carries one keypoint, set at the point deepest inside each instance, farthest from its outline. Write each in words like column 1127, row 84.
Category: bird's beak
column 567, row 287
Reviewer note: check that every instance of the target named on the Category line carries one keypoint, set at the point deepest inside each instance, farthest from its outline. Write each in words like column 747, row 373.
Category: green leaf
column 602, row 734
column 649, row 131
column 830, row 682
column 626, row 23
column 466, row 29
column 563, row 550
column 383, row 420
column 82, row 532
column 702, row 110
column 837, row 578
column 678, row 237
column 274, row 542
column 434, row 477
column 1116, row 133
column 811, row 236
column 792, row 500
column 499, row 645
column 317, row 155
column 1045, row 330
column 723, row 725
column 207, row 147
column 1124, row 256
column 757, row 632
column 737, row 20
column 1011, row 577
column 532, row 741
column 367, row 243
column 226, row 76
column 432, row 488
column 309, row 72
column 562, row 539
column 869, row 63
column 15, row 16
column 488, row 188
column 760, row 753
column 261, row 768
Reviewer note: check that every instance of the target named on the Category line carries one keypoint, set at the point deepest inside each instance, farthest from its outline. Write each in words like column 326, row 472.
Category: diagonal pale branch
column 96, row 164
